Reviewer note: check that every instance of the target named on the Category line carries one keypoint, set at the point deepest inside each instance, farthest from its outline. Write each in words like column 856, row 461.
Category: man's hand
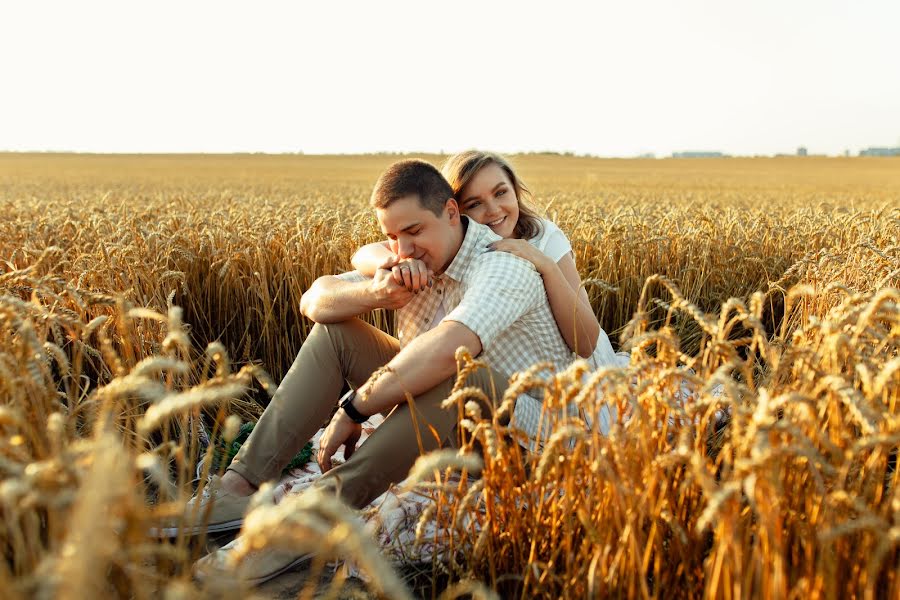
column 410, row 272
column 387, row 292
column 341, row 431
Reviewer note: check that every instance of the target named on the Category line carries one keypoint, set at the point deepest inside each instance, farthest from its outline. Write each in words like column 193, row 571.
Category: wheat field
column 148, row 303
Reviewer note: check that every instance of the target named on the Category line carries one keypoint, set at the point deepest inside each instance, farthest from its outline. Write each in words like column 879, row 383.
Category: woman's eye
column 500, row 193
column 473, row 205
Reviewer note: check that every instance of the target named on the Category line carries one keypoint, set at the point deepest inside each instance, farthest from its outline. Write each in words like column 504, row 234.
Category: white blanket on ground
column 392, row 517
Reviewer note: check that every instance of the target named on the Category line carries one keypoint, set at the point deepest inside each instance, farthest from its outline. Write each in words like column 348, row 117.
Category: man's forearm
column 424, row 363
column 331, row 300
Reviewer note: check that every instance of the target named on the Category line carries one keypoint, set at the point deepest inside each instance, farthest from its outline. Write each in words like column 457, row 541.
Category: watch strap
column 346, row 405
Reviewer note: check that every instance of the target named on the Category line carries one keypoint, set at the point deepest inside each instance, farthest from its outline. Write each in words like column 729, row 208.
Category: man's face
column 416, row 232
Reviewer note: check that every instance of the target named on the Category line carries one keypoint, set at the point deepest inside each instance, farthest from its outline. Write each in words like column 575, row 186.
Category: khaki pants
column 352, row 351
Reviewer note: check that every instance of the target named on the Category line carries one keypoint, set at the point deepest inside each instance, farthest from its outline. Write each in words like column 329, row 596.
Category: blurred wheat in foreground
column 145, row 300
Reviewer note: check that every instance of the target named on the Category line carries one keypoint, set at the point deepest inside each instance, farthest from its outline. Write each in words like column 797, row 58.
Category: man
column 492, row 303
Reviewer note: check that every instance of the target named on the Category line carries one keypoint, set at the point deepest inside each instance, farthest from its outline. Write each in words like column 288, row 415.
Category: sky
column 603, row 78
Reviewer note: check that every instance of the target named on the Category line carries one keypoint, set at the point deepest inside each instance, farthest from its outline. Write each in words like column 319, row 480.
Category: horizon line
column 714, row 154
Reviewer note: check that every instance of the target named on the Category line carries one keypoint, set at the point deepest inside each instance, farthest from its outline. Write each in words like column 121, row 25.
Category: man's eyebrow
column 407, row 228
column 496, row 187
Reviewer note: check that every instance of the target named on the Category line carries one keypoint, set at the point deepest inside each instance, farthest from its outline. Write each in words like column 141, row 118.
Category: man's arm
column 426, row 361
column 422, row 364
column 331, row 299
column 504, row 288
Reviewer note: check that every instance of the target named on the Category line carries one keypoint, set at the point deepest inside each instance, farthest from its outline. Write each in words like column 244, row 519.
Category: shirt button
column 440, row 291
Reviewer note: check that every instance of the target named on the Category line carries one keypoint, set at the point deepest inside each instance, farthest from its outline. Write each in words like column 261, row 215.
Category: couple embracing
column 467, row 262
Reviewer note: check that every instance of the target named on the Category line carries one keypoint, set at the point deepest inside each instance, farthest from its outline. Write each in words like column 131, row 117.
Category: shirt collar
column 474, row 243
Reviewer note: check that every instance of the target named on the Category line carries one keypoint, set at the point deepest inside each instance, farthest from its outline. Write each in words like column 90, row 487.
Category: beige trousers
column 308, row 394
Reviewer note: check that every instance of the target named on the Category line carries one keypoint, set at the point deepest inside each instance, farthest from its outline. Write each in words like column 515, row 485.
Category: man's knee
column 327, row 335
column 329, row 329
column 339, row 334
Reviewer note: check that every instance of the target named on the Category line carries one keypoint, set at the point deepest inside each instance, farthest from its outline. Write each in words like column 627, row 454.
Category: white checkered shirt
column 501, row 299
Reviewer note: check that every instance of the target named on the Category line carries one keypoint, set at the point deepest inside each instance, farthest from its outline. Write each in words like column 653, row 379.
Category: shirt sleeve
column 502, row 288
column 557, row 244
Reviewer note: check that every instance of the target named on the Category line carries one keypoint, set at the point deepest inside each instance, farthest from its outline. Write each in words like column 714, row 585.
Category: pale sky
column 607, row 78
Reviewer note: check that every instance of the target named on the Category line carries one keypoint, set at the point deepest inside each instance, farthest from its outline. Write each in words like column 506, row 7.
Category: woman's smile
column 497, row 222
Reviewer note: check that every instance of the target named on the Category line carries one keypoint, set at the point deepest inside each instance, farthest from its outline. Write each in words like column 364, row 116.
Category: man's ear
column 452, row 210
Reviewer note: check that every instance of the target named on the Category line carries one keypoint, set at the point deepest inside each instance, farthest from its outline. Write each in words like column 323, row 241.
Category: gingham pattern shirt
column 501, row 299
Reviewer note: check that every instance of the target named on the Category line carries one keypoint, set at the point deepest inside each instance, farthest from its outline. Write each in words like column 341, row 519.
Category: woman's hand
column 410, row 273
column 523, row 249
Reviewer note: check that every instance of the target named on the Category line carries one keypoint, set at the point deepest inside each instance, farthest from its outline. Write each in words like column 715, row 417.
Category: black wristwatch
column 346, row 405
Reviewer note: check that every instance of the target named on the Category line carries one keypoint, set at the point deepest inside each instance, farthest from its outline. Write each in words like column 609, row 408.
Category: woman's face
column 490, row 199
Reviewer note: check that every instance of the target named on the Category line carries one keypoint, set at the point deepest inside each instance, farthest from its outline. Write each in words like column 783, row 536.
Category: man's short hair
column 412, row 177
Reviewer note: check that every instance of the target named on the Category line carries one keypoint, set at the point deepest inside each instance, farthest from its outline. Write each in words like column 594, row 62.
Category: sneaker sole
column 171, row 532
column 255, row 581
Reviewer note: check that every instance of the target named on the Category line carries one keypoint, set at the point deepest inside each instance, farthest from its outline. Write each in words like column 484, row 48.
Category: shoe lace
column 211, row 488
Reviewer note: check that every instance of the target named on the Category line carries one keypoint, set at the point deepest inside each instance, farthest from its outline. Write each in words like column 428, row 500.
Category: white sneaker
column 255, row 567
column 213, row 511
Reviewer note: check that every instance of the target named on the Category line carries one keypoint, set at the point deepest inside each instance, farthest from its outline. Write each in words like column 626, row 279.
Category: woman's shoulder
column 551, row 240
column 549, row 230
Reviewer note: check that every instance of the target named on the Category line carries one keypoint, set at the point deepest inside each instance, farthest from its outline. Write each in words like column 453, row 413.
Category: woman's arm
column 568, row 300
column 370, row 257
column 571, row 307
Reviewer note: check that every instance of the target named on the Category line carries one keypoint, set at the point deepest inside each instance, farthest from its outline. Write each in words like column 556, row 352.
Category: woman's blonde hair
column 459, row 170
